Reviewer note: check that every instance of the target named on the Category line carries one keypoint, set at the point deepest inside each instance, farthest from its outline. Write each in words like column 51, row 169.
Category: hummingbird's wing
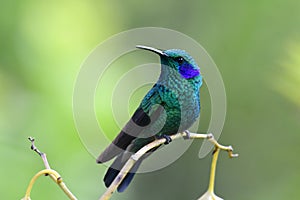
column 146, row 114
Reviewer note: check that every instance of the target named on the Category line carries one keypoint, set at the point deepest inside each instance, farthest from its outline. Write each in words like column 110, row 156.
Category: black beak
column 158, row 51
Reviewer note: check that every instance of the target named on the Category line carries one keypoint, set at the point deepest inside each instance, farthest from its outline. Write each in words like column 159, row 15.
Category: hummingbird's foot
column 167, row 137
column 188, row 135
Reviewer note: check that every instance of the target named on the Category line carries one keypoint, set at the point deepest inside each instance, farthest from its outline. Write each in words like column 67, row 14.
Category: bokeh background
column 256, row 45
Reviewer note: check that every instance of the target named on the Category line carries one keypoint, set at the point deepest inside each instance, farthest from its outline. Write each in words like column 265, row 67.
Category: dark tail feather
column 118, row 164
column 114, row 170
column 128, row 178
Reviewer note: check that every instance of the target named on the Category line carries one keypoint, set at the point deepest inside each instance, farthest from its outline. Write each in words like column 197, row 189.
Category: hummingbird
column 171, row 106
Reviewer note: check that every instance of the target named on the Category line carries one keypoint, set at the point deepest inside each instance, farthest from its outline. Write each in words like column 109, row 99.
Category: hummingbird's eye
column 179, row 60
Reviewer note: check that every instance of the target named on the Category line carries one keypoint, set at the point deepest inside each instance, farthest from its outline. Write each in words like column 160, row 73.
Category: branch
column 186, row 135
column 48, row 171
column 210, row 194
column 43, row 155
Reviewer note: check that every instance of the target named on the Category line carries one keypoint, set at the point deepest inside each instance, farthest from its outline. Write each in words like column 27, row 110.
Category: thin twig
column 42, row 172
column 210, row 193
column 211, row 186
column 48, row 171
column 229, row 149
column 43, row 155
column 134, row 158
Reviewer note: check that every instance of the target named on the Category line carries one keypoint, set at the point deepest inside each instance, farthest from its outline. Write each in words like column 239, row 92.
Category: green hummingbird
column 171, row 106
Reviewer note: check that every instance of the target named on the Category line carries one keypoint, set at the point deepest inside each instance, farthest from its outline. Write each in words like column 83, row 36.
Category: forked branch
column 129, row 164
column 187, row 135
column 48, row 171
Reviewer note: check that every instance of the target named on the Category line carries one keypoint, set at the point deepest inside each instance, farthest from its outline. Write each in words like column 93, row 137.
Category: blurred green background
column 256, row 45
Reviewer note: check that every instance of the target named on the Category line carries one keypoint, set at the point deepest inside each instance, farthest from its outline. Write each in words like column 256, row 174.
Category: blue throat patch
column 188, row 71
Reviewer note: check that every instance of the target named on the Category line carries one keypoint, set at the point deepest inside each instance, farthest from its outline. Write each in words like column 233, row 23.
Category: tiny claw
column 168, row 139
column 187, row 136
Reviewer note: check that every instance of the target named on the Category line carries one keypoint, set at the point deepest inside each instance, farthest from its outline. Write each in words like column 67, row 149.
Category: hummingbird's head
column 177, row 60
